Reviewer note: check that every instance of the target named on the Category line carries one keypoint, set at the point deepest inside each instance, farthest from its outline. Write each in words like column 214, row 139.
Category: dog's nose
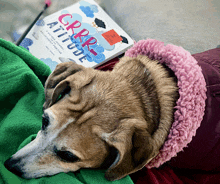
column 12, row 165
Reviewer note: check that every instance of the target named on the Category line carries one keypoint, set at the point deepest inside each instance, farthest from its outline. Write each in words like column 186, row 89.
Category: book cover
column 82, row 33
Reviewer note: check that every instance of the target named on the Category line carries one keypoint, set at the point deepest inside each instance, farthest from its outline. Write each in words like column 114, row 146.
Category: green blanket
column 21, row 100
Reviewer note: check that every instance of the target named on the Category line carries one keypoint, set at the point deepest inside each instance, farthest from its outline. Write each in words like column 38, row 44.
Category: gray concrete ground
column 192, row 24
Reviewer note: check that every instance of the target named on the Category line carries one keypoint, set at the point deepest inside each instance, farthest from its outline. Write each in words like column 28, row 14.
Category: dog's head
column 92, row 119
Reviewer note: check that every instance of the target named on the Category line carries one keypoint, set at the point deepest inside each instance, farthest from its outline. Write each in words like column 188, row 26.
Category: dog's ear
column 61, row 72
column 134, row 144
column 65, row 77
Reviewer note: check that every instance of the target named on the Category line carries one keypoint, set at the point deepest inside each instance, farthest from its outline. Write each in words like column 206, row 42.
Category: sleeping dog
column 90, row 115
column 117, row 120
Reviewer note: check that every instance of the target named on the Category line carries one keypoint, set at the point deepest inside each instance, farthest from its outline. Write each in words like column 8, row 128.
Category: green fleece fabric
column 22, row 77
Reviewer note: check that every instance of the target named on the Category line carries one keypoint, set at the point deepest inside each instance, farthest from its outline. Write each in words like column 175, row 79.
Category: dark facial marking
column 45, row 121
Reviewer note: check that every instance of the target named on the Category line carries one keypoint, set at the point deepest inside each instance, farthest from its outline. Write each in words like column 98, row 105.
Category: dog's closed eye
column 66, row 156
column 45, row 121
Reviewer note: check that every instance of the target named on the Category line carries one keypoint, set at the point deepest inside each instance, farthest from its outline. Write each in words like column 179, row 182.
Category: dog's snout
column 12, row 165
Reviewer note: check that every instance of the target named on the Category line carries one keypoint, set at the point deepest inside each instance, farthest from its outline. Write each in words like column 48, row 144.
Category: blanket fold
column 21, row 100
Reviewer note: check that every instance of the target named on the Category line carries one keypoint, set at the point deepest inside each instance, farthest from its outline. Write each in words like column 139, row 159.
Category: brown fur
column 134, row 103
column 129, row 109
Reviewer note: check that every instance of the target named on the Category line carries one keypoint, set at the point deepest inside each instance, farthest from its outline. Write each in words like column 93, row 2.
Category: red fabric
column 108, row 65
column 167, row 175
column 171, row 175
column 203, row 152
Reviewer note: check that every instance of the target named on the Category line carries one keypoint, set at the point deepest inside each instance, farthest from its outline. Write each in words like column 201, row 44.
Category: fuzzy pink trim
column 190, row 106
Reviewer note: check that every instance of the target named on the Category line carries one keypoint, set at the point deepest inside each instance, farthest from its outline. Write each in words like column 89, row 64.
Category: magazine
column 82, row 33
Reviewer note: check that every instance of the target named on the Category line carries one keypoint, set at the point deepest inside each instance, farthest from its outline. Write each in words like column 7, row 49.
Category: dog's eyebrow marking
column 70, row 120
column 55, row 127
